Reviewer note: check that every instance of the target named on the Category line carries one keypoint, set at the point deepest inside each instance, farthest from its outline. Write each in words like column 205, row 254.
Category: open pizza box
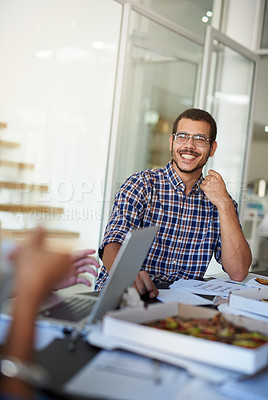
column 125, row 325
column 250, row 300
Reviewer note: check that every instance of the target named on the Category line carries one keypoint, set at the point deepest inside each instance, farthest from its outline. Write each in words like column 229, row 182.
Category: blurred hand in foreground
column 80, row 262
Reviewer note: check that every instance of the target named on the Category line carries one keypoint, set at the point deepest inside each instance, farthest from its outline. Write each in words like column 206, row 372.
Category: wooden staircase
column 22, row 186
column 26, row 209
column 30, row 208
column 51, row 233
column 19, row 165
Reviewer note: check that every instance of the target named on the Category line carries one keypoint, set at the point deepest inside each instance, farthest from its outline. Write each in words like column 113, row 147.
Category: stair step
column 23, row 186
column 20, row 165
column 50, row 233
column 10, row 145
column 30, row 208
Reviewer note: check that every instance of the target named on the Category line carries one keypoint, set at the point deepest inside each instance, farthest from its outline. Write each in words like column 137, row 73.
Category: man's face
column 188, row 157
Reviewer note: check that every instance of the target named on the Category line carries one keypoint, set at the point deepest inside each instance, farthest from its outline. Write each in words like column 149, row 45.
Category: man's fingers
column 139, row 285
column 144, row 284
column 213, row 173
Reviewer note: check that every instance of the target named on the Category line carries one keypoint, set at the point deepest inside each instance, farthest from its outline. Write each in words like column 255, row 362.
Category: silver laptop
column 84, row 309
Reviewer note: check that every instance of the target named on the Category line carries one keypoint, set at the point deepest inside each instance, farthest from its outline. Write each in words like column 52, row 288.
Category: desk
column 63, row 364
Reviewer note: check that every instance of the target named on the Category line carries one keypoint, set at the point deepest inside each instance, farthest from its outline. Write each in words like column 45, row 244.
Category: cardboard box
column 249, row 300
column 125, row 325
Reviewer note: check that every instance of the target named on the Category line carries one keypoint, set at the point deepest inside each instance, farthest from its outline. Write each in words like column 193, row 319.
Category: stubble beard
column 187, row 171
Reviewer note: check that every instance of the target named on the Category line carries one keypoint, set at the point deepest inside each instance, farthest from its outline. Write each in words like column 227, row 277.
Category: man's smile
column 188, row 155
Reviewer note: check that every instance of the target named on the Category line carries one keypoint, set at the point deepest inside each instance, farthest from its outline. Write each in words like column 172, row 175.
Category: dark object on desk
column 55, row 394
column 164, row 285
column 145, row 297
column 63, row 364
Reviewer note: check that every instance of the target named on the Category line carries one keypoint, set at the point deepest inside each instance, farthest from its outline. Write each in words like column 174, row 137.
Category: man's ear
column 171, row 142
column 213, row 149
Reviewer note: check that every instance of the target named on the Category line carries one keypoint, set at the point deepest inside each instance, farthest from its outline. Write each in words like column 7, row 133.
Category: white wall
column 258, row 166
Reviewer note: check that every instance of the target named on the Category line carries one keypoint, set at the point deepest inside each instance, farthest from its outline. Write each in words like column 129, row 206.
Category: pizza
column 262, row 281
column 217, row 329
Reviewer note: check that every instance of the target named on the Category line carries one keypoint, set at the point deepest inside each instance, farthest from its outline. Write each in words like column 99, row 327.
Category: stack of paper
column 213, row 287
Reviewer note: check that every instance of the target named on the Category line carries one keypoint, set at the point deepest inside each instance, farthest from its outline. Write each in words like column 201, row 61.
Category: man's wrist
column 226, row 205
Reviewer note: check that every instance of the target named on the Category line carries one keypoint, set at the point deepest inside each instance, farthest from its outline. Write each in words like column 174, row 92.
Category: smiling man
column 196, row 216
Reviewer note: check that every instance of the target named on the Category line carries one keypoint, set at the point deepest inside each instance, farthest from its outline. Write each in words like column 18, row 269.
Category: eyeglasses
column 199, row 140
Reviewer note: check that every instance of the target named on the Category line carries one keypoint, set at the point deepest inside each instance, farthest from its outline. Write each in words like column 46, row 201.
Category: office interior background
column 89, row 92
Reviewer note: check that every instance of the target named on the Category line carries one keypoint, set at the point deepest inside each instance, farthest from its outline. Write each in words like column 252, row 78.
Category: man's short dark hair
column 196, row 114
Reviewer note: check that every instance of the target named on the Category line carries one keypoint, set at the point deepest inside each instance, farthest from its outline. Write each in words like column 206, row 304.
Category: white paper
column 123, row 375
column 182, row 296
column 197, row 389
column 215, row 287
column 225, row 308
column 252, row 388
column 253, row 282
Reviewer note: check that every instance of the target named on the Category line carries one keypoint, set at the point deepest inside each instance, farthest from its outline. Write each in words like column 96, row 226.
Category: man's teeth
column 188, row 156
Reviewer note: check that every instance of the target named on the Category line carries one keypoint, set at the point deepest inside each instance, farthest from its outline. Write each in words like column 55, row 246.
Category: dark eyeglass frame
column 187, row 136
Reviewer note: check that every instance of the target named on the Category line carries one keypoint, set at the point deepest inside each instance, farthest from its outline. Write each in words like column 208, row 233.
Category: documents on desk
column 214, row 287
column 123, row 375
column 182, row 296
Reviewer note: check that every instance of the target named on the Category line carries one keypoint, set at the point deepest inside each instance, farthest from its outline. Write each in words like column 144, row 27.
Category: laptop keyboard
column 73, row 309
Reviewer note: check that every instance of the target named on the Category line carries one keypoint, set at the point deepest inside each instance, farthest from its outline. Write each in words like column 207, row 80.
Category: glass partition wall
column 192, row 15
column 160, row 81
column 256, row 202
column 227, row 90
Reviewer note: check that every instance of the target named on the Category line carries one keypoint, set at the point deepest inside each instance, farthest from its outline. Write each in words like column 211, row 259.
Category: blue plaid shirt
column 189, row 227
